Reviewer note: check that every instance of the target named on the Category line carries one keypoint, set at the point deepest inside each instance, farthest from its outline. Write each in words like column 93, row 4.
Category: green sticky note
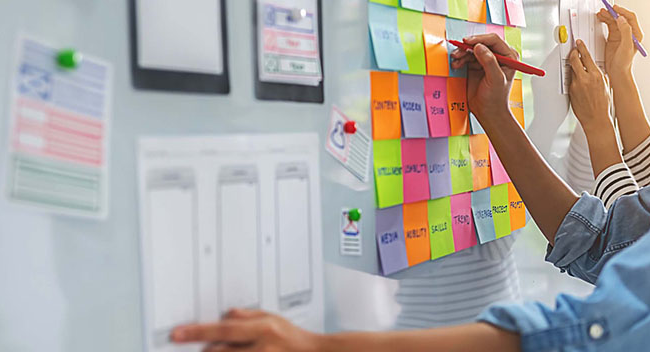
column 440, row 232
column 500, row 210
column 460, row 165
column 409, row 24
column 388, row 172
column 513, row 38
column 458, row 9
column 394, row 3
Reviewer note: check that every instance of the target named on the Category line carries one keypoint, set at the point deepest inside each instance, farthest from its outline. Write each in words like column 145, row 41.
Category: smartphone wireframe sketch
column 238, row 226
column 293, row 235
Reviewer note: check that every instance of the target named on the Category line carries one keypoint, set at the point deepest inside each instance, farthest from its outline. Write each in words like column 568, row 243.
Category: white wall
column 641, row 64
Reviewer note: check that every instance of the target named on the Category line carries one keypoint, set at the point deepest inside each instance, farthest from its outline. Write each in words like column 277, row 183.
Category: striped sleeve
column 638, row 160
column 614, row 182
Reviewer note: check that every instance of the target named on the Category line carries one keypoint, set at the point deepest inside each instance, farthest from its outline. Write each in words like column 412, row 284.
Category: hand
column 248, row 330
column 620, row 49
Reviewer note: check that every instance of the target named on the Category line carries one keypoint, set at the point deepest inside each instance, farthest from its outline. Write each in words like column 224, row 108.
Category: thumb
column 486, row 58
column 626, row 33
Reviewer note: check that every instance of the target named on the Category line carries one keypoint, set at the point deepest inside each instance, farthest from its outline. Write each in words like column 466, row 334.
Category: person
column 608, row 248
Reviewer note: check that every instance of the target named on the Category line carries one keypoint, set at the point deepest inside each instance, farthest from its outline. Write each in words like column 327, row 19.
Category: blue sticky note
column 475, row 28
column 414, row 114
column 417, row 5
column 456, row 30
column 387, row 45
column 438, row 167
column 475, row 125
column 496, row 12
column 390, row 239
column 482, row 211
column 440, row 7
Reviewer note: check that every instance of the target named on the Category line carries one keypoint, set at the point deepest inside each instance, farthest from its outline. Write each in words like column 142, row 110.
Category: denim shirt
column 610, row 249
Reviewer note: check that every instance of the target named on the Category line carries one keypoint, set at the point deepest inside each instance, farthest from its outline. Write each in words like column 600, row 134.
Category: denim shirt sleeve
column 590, row 236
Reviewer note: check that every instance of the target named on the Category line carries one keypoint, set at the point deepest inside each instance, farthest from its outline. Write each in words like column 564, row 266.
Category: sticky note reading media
column 435, row 97
column 440, row 7
column 517, row 102
column 482, row 211
column 458, row 109
column 515, row 13
column 390, row 240
column 477, row 11
column 517, row 208
column 500, row 210
column 388, row 172
column 458, row 9
column 460, row 165
column 513, row 38
column 417, row 5
column 479, row 147
column 441, row 234
column 416, row 229
column 414, row 115
column 414, row 168
column 461, row 221
column 409, row 24
column 386, row 117
column 386, row 41
column 499, row 174
column 456, row 30
column 497, row 12
column 435, row 45
column 438, row 165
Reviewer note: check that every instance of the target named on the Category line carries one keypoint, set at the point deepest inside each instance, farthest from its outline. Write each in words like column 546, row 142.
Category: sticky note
column 496, row 13
column 500, row 210
column 498, row 30
column 499, row 174
column 477, row 11
column 441, row 7
column 414, row 166
column 517, row 208
column 417, row 5
column 458, row 109
column 515, row 13
column 393, row 3
column 390, row 240
column 476, row 28
column 438, row 167
column 517, row 102
column 458, row 9
column 441, row 234
column 388, row 172
column 461, row 221
column 435, row 97
column 456, row 30
column 482, row 211
column 409, row 24
column 479, row 147
column 435, row 44
column 386, row 41
column 460, row 165
column 513, row 38
column 416, row 230
column 475, row 125
column 412, row 106
column 386, row 118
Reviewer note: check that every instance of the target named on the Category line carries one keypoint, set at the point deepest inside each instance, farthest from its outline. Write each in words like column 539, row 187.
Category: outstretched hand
column 620, row 49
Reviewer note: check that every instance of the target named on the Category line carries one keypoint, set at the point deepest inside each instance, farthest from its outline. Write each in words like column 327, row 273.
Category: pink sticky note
column 414, row 170
column 435, row 98
column 496, row 29
column 499, row 174
column 515, row 13
column 461, row 221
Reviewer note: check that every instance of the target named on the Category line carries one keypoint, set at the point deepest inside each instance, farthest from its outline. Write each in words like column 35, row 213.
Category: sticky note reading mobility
column 388, row 172
column 496, row 13
column 438, row 167
column 513, row 38
column 441, row 234
column 417, row 5
column 416, row 230
column 414, row 169
column 409, row 24
column 458, row 107
column 456, row 30
column 435, row 44
column 386, row 118
column 458, row 9
column 499, row 174
column 441, row 7
column 412, row 106
column 517, row 102
column 479, row 147
column 461, row 221
column 482, row 211
column 386, row 41
column 500, row 210
column 477, row 11
column 515, row 13
column 517, row 209
column 460, row 165
column 390, row 240
column 435, row 97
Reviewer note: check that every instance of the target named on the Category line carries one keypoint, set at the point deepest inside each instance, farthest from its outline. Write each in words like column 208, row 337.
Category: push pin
column 350, row 127
column 354, row 214
column 297, row 14
column 69, row 59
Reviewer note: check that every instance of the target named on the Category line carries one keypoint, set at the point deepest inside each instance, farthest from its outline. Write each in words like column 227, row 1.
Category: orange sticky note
column 458, row 109
column 435, row 44
column 416, row 232
column 517, row 102
column 477, row 11
column 386, row 118
column 479, row 147
column 517, row 208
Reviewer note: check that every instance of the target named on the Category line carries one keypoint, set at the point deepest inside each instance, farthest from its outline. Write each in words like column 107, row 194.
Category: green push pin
column 354, row 214
column 69, row 59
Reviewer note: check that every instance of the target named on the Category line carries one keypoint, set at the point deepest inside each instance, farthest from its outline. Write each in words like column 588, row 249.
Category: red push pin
column 350, row 127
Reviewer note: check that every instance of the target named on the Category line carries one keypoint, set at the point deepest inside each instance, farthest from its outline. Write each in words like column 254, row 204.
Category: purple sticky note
column 411, row 97
column 414, row 170
column 499, row 174
column 390, row 239
column 461, row 221
column 438, row 167
column 435, row 97
column 440, row 7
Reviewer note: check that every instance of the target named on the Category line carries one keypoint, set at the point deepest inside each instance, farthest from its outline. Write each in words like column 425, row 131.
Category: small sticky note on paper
column 416, row 229
column 435, row 97
column 517, row 102
column 499, row 174
column 393, row 3
column 386, row 41
column 517, row 208
column 482, row 211
column 458, row 107
column 413, row 108
column 456, row 30
column 409, row 24
column 386, row 118
column 438, row 167
column 390, row 240
column 515, row 13
column 414, row 169
column 435, row 44
column 440, row 7
column 479, row 147
column 497, row 12
column 351, row 150
column 500, row 210
column 513, row 38
column 441, row 234
column 461, row 221
column 388, row 172
column 460, row 165
column 477, row 11
column 458, row 9
column 417, row 5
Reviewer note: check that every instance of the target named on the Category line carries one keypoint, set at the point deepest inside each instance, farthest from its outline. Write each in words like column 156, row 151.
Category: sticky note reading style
column 513, row 38
column 479, row 147
column 460, row 165
column 482, row 211
column 499, row 174
column 456, row 30
column 386, row 41
column 438, row 165
column 409, row 24
column 414, row 115
column 458, row 9
column 500, row 210
column 496, row 13
column 414, row 168
column 435, row 97
column 477, row 11
column 515, row 13
column 461, row 221
column 416, row 230
column 440, row 7
column 388, row 172
column 417, row 5
column 386, row 118
column 435, row 44
column 517, row 208
column 441, row 234
column 517, row 102
column 458, row 108
column 390, row 240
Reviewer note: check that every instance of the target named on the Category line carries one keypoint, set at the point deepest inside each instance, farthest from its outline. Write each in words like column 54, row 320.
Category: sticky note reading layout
column 441, row 234
column 513, row 38
column 438, row 165
column 499, row 174
column 482, row 211
column 390, row 240
column 441, row 7
column 388, row 172
column 517, row 102
column 414, row 115
column 435, row 45
column 414, row 166
column 458, row 9
column 456, row 30
column 461, row 221
column 515, row 13
column 458, row 109
column 410, row 28
column 386, row 119
column 497, row 12
column 460, row 165
column 416, row 229
column 500, row 210
column 517, row 208
column 435, row 97
column 386, row 42
column 417, row 5
column 479, row 147
column 477, row 11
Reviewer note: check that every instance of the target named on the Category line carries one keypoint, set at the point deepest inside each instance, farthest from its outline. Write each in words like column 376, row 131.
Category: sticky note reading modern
column 412, row 106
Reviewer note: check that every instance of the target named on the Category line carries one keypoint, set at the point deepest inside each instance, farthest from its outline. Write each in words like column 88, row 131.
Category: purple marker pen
column 636, row 41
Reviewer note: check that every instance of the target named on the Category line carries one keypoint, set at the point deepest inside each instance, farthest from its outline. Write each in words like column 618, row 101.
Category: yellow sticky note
column 477, row 11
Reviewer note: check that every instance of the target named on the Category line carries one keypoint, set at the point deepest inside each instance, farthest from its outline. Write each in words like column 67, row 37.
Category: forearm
column 603, row 146
column 632, row 121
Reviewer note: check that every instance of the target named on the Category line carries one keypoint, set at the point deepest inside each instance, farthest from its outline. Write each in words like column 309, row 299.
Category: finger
column 457, row 54
column 493, row 72
column 585, row 57
column 626, row 34
column 632, row 19
column 464, row 61
column 239, row 331
column 230, row 348
column 576, row 63
column 494, row 42
column 606, row 17
column 244, row 314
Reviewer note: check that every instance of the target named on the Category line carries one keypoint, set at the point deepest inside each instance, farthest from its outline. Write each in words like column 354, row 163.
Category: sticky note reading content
column 414, row 115
column 388, row 172
column 517, row 208
column 438, row 165
column 479, row 147
column 416, row 229
column 460, row 165
column 517, row 102
column 409, row 24
column 441, row 234
column 461, row 221
column 497, row 12
column 515, row 13
column 435, row 45
column 390, row 240
column 456, row 30
column 386, row 41
column 435, row 97
column 513, row 38
column 482, row 211
column 499, row 174
column 458, row 109
column 386, row 118
column 458, row 9
column 441, row 7
column 500, row 210
column 477, row 11
column 414, row 166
